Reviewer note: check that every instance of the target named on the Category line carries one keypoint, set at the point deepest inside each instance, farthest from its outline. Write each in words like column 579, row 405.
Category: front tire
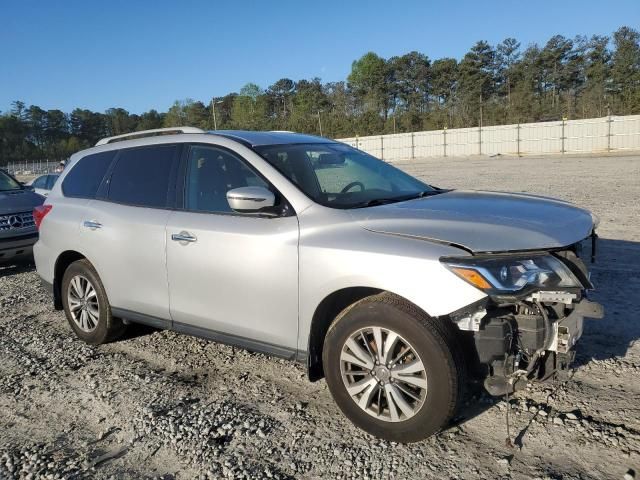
column 393, row 371
column 86, row 305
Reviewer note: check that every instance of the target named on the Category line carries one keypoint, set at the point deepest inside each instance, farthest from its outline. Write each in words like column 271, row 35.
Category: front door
column 232, row 276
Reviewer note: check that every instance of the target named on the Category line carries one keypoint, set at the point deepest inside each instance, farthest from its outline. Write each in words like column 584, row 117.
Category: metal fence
column 593, row 135
column 32, row 167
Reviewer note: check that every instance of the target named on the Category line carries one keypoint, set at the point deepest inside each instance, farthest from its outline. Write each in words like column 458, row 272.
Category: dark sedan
column 17, row 227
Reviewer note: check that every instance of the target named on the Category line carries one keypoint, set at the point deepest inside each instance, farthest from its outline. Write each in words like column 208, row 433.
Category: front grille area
column 16, row 222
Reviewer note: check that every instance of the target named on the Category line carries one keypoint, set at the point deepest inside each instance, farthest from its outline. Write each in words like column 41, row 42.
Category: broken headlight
column 513, row 274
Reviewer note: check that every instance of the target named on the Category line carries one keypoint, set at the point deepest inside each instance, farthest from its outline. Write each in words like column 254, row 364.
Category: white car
column 44, row 183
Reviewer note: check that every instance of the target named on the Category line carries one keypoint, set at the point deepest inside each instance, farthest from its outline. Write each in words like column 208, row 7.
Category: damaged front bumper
column 528, row 337
column 568, row 330
column 531, row 340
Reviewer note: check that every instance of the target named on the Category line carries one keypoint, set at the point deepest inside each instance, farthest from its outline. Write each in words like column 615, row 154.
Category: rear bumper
column 17, row 249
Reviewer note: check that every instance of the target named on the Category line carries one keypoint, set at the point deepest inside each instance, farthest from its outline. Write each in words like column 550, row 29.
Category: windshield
column 339, row 176
column 7, row 183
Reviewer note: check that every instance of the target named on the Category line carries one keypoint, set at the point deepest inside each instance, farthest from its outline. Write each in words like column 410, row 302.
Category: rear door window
column 85, row 177
column 141, row 176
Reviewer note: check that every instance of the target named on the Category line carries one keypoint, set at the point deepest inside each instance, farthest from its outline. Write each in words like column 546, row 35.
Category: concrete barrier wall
column 593, row 135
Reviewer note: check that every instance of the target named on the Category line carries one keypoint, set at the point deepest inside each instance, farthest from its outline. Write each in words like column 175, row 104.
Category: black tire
column 435, row 343
column 108, row 328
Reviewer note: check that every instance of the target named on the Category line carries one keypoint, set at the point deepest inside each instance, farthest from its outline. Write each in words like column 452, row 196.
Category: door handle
column 92, row 224
column 183, row 237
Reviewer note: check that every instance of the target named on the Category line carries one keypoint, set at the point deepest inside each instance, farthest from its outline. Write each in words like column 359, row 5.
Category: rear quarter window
column 141, row 176
column 85, row 177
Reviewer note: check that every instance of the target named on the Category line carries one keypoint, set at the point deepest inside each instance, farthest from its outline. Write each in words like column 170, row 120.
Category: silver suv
column 395, row 291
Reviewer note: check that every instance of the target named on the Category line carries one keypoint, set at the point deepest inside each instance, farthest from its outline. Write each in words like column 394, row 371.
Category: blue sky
column 145, row 54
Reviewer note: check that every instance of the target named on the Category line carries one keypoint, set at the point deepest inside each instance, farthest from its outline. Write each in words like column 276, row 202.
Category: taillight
column 39, row 213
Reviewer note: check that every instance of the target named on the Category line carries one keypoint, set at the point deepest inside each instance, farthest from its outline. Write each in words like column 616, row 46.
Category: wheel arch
column 63, row 261
column 326, row 311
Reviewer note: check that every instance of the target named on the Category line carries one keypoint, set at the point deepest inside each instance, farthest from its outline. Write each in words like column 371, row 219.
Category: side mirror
column 250, row 199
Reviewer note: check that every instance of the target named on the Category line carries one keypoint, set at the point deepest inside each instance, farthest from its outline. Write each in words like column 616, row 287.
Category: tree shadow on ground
column 617, row 288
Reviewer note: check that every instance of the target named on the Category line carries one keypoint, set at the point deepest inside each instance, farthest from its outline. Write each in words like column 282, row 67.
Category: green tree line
column 494, row 84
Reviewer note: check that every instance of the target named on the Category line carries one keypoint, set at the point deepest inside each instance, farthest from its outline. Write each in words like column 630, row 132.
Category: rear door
column 123, row 230
column 237, row 279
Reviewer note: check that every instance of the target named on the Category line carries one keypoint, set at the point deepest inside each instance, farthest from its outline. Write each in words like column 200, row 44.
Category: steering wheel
column 351, row 185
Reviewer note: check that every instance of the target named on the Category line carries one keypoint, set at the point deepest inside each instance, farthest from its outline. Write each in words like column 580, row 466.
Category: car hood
column 19, row 201
column 482, row 221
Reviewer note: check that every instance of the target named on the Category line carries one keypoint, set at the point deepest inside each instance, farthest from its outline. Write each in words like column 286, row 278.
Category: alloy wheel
column 383, row 374
column 83, row 303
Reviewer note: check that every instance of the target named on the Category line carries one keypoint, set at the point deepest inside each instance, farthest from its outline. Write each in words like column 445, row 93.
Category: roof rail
column 149, row 133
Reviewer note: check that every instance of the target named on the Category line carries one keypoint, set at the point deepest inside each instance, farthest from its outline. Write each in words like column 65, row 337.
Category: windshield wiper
column 376, row 201
column 426, row 193
column 383, row 201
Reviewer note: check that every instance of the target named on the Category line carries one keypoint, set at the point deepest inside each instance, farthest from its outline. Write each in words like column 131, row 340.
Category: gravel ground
column 161, row 405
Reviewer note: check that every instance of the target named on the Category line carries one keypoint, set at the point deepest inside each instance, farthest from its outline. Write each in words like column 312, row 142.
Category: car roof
column 246, row 137
column 258, row 139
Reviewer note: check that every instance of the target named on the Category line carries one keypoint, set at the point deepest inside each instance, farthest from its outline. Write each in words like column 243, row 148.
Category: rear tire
column 408, row 396
column 86, row 305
